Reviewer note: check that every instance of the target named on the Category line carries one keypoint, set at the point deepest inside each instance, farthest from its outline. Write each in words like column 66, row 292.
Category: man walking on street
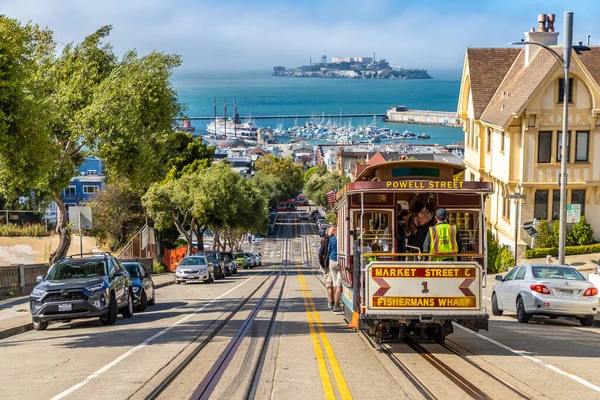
column 334, row 271
column 324, row 263
column 443, row 238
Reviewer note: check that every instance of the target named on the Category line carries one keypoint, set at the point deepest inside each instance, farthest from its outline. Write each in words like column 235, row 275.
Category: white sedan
column 550, row 290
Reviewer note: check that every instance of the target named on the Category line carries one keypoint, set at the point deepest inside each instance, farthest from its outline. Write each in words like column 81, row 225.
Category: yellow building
column 511, row 103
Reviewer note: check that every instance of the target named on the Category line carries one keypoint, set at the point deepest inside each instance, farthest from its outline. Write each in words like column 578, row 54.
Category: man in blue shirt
column 334, row 270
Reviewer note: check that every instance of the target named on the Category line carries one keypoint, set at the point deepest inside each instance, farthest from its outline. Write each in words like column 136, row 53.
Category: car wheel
column 110, row 317
column 177, row 282
column 522, row 316
column 143, row 302
column 152, row 301
column 127, row 311
column 495, row 309
column 587, row 321
column 40, row 325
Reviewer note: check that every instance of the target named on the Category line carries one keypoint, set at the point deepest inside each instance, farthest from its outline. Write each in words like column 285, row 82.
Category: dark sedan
column 141, row 285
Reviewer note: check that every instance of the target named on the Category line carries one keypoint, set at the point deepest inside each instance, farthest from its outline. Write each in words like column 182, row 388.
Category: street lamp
column 565, row 60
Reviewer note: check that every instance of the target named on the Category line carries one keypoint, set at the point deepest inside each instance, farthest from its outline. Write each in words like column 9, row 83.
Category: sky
column 259, row 34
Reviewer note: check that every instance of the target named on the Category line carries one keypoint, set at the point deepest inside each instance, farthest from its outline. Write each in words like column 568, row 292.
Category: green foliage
column 569, row 239
column 117, row 213
column 318, row 185
column 186, row 154
column 541, row 252
column 30, row 230
column 158, row 267
column 492, row 251
column 546, row 238
column 504, row 260
column 317, row 169
column 583, row 233
column 270, row 186
column 290, row 173
column 331, row 218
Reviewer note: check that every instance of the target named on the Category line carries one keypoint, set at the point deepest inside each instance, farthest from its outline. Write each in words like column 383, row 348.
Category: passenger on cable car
column 443, row 238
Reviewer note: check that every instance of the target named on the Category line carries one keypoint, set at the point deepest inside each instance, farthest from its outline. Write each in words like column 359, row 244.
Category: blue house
column 88, row 181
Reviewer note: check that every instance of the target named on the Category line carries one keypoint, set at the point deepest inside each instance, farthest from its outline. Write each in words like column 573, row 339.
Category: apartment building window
column 555, row 204
column 578, row 197
column 502, row 143
column 581, row 146
column 559, row 147
column 561, row 90
column 540, row 209
column 70, row 192
column 90, row 189
column 544, row 146
column 488, row 132
column 506, row 207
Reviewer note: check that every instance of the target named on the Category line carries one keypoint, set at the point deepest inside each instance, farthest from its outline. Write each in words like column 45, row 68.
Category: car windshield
column 193, row 261
column 239, row 255
column 551, row 272
column 211, row 255
column 133, row 270
column 76, row 269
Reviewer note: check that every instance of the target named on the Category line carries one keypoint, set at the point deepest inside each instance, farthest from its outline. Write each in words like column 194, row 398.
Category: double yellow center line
column 320, row 342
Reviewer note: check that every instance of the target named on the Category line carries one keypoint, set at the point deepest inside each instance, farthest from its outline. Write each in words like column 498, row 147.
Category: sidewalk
column 583, row 262
column 15, row 317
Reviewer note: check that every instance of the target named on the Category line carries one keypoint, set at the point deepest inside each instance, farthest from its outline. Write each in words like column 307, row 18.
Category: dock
column 300, row 116
column 401, row 114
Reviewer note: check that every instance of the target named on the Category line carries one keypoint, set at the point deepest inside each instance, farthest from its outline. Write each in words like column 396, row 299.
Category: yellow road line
column 314, row 316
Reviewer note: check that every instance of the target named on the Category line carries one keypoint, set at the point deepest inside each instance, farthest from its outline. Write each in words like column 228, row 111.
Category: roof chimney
column 545, row 35
column 587, row 39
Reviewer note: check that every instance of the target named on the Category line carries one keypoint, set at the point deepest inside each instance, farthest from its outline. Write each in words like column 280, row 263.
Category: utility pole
column 517, row 196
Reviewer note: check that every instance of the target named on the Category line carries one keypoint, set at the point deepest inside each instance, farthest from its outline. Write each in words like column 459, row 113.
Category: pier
column 402, row 114
column 300, row 116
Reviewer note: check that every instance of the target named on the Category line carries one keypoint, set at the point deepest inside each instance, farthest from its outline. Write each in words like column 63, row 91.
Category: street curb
column 16, row 330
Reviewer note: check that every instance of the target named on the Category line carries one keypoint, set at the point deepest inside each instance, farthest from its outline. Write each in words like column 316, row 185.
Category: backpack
column 323, row 254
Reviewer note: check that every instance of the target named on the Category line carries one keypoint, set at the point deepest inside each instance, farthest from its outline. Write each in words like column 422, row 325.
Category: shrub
column 569, row 251
column 583, row 233
column 31, row 230
column 331, row 218
column 492, row 248
column 158, row 267
column 504, row 260
column 569, row 238
column 545, row 239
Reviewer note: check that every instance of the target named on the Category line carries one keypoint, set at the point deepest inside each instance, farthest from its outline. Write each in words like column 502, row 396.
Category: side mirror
column 40, row 278
column 117, row 272
column 147, row 275
column 499, row 278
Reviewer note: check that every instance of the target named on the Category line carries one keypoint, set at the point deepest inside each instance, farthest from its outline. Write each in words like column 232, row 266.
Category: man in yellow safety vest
column 442, row 238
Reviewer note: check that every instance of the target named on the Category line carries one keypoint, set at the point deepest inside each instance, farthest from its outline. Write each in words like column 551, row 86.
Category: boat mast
column 235, row 117
column 215, row 121
column 225, row 116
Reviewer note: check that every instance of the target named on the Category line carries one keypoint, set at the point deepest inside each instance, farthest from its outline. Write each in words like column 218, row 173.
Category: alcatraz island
column 352, row 68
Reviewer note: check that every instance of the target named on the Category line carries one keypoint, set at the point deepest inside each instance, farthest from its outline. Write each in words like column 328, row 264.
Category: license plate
column 65, row 307
column 566, row 293
column 191, row 276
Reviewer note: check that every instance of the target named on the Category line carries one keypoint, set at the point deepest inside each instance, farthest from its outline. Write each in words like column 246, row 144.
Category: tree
column 290, row 173
column 569, row 238
column 545, row 239
column 270, row 186
column 186, row 154
column 318, row 185
column 26, row 52
column 119, row 110
column 117, row 213
column 317, row 169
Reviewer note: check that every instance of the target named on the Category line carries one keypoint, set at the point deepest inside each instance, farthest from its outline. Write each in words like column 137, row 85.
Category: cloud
column 261, row 34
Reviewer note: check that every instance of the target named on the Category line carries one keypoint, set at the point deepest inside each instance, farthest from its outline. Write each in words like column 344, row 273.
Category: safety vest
column 443, row 240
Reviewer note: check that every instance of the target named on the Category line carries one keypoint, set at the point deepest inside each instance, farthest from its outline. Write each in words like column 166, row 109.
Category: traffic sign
column 573, row 213
column 516, row 196
column 83, row 214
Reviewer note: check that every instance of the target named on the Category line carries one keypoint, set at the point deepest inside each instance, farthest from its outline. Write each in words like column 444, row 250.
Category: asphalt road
column 311, row 355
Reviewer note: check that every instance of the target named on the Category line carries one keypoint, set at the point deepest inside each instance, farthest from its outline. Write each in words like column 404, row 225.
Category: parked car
column 194, row 268
column 214, row 258
column 550, row 290
column 142, row 286
column 94, row 285
column 241, row 260
column 320, row 221
column 229, row 262
column 323, row 229
column 250, row 260
column 258, row 259
column 304, row 216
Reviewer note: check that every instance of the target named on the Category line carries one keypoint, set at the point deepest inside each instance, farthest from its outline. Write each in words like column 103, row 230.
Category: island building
column 511, row 103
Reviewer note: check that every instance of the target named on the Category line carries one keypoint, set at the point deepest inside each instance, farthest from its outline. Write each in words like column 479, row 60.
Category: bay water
column 259, row 93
